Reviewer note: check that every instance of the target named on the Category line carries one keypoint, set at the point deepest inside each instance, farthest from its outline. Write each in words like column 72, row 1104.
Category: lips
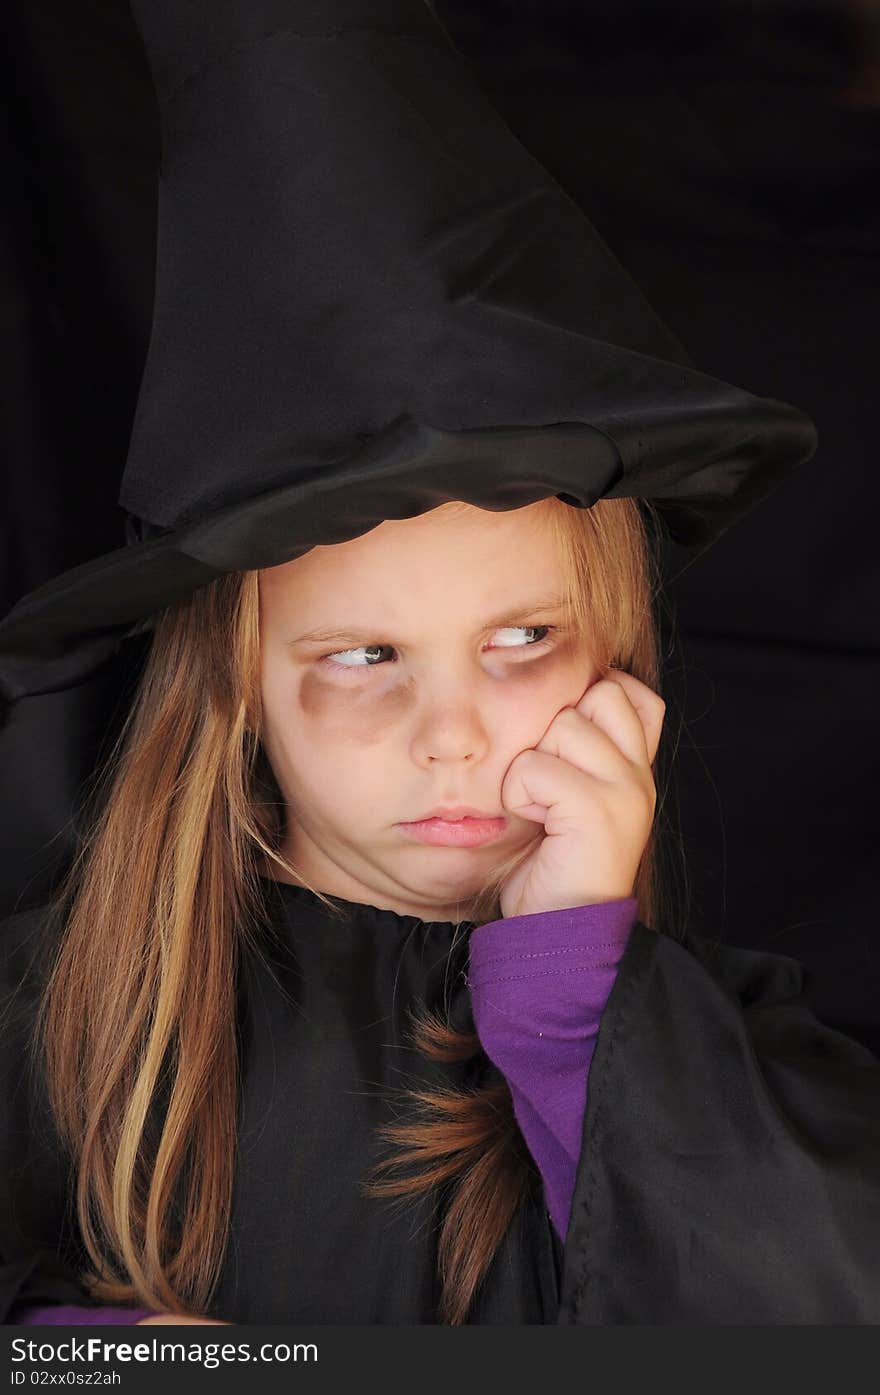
column 456, row 828
column 454, row 813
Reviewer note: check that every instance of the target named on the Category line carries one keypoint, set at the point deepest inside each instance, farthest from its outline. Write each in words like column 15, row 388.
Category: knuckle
column 565, row 718
column 522, row 757
column 569, row 716
column 610, row 685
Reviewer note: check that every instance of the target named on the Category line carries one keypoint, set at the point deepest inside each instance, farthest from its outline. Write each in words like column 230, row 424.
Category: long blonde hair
column 136, row 1029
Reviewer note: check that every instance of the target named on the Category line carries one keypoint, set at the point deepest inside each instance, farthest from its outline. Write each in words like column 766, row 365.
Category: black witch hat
column 370, row 299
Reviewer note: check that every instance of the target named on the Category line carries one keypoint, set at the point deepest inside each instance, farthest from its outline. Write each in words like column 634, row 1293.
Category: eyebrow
column 509, row 617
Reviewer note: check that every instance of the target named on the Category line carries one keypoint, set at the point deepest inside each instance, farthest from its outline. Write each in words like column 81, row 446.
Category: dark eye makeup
column 541, row 645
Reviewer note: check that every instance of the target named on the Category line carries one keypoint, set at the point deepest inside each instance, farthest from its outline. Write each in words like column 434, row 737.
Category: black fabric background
column 729, row 156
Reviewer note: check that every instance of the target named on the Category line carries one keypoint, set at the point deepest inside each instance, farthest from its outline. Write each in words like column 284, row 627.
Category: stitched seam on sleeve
column 513, row 957
column 546, row 973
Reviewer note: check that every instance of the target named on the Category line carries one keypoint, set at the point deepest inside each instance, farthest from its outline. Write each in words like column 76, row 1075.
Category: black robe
column 729, row 1173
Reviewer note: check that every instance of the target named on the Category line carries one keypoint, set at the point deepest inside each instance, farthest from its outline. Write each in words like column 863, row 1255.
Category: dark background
column 728, row 153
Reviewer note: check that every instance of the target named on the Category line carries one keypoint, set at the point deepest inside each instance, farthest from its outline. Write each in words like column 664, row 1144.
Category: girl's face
column 444, row 654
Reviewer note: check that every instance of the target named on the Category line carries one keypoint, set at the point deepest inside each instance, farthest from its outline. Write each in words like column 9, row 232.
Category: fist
column 589, row 782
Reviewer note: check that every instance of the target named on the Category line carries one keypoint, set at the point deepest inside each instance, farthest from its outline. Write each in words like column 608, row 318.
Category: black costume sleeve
column 40, row 1246
column 730, row 1167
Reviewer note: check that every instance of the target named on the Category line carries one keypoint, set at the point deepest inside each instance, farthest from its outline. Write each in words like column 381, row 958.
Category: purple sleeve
column 539, row 984
column 61, row 1315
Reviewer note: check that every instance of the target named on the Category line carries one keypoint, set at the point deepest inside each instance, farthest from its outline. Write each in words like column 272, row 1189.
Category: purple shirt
column 68, row 1315
column 539, row 984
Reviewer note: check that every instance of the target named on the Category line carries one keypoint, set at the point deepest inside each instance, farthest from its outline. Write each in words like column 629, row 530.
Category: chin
column 460, row 880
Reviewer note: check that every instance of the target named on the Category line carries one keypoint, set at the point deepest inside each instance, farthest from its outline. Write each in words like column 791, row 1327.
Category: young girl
column 447, row 660
column 266, row 900
column 363, row 1000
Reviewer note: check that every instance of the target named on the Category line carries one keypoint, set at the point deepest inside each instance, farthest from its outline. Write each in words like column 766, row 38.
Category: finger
column 590, row 744
column 606, row 705
column 544, row 788
column 646, row 703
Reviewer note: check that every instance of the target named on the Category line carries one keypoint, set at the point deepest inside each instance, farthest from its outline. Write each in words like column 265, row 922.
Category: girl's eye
column 333, row 660
column 532, row 628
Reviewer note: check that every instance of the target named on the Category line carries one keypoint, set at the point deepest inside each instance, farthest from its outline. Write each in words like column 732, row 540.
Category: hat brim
column 61, row 632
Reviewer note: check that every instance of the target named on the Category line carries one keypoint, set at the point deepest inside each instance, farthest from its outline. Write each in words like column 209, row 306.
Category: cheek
column 532, row 693
column 340, row 713
column 525, row 701
column 349, row 713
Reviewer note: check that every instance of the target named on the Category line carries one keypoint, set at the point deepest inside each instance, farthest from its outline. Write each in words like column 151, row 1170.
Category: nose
column 451, row 731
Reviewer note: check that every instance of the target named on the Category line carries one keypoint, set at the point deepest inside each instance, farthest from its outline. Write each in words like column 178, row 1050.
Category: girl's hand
column 589, row 782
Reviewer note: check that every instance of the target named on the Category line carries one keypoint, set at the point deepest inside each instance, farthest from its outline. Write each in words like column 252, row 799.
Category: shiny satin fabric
column 730, row 1169
column 322, row 1021
column 325, row 1061
column 370, row 299
column 731, row 1164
